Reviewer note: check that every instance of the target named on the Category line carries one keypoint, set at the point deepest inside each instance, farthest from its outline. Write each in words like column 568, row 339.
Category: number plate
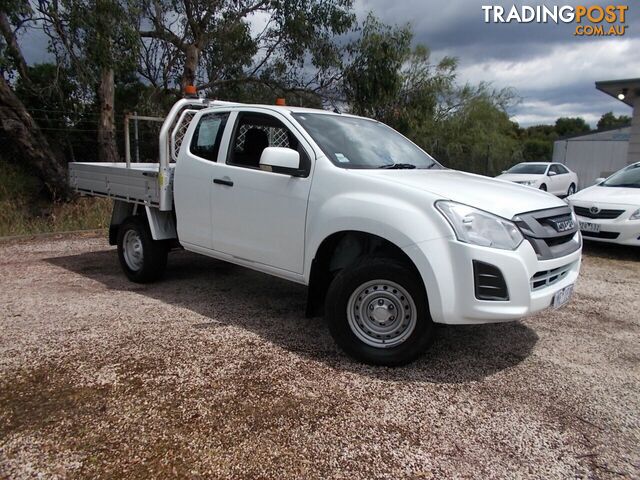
column 562, row 296
column 590, row 227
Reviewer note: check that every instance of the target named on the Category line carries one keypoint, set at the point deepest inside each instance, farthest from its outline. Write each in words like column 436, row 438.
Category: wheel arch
column 162, row 224
column 341, row 249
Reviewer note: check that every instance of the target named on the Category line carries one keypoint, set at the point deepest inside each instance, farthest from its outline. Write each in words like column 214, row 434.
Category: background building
column 594, row 155
column 599, row 154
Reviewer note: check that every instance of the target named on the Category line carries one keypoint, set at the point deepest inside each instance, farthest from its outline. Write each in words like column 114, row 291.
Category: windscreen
column 628, row 177
column 528, row 168
column 360, row 143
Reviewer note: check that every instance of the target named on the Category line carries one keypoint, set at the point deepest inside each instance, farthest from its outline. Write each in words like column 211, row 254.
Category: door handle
column 222, row 181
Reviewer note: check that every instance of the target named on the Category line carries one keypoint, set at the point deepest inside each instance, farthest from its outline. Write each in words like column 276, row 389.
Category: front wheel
column 543, row 187
column 377, row 312
column 142, row 258
column 572, row 190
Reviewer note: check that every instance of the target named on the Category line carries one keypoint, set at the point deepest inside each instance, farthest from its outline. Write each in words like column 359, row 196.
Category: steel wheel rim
column 133, row 250
column 381, row 313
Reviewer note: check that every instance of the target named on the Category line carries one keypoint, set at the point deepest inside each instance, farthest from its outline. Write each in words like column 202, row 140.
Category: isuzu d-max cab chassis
column 388, row 241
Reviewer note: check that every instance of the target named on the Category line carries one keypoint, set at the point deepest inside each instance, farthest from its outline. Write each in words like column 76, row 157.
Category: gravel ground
column 215, row 373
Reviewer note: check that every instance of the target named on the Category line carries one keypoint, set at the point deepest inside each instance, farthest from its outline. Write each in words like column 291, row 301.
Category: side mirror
column 551, row 173
column 600, row 180
column 281, row 160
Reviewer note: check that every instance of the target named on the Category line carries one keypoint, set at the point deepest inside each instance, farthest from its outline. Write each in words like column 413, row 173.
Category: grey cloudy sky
column 552, row 70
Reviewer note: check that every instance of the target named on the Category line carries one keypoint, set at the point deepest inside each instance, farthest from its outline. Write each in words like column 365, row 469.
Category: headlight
column 635, row 215
column 479, row 227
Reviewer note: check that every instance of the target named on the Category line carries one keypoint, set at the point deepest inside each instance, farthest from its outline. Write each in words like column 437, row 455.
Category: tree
column 216, row 47
column 537, row 150
column 24, row 136
column 98, row 40
column 566, row 126
column 610, row 121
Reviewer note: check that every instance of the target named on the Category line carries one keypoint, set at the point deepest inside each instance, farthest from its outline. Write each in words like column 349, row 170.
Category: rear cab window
column 207, row 136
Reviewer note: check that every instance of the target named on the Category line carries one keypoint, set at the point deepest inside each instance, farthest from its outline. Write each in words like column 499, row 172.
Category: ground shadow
column 611, row 251
column 274, row 309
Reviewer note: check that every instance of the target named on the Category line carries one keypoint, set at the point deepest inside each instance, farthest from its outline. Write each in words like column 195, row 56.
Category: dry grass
column 80, row 214
column 24, row 212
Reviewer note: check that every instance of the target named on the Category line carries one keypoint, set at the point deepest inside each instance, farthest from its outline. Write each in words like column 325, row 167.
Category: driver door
column 258, row 215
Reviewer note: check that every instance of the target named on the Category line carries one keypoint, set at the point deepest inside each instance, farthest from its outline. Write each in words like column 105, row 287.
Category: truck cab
column 387, row 240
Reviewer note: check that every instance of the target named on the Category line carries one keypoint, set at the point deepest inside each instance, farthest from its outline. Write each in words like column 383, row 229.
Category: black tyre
column 543, row 187
column 142, row 258
column 572, row 190
column 377, row 312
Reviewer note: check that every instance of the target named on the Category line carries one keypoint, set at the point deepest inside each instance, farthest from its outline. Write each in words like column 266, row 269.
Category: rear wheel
column 142, row 258
column 572, row 190
column 377, row 312
column 543, row 187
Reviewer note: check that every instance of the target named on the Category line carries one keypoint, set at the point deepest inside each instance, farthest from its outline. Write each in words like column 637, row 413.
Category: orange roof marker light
column 281, row 102
column 190, row 90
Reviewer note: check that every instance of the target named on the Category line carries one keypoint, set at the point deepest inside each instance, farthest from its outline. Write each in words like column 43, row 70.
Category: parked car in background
column 610, row 210
column 551, row 177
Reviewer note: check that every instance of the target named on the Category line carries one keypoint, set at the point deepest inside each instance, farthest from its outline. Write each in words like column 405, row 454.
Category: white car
column 610, row 210
column 388, row 241
column 551, row 177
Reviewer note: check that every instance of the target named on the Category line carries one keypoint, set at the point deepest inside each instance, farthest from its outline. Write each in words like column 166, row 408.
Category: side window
column 562, row 169
column 554, row 169
column 256, row 131
column 205, row 142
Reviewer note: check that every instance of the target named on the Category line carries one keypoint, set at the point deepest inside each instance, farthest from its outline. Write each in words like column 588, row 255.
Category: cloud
column 551, row 69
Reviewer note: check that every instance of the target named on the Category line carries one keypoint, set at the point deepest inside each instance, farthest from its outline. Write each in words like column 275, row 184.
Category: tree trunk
column 190, row 66
column 12, row 46
column 107, row 148
column 29, row 145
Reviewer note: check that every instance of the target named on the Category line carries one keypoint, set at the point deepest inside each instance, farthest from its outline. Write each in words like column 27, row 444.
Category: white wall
column 594, row 155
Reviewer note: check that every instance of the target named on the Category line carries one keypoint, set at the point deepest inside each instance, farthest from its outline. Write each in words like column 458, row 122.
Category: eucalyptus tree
column 219, row 44
column 24, row 141
column 98, row 40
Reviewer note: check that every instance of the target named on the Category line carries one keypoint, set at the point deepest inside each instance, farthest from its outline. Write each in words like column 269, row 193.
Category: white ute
column 388, row 241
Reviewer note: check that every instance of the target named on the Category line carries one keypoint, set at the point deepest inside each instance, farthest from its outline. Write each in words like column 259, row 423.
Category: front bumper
column 446, row 266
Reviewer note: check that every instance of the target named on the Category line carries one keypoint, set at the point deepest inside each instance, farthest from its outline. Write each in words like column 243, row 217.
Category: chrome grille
column 607, row 214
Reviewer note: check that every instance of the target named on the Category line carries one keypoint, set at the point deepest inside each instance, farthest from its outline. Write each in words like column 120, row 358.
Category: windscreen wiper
column 398, row 166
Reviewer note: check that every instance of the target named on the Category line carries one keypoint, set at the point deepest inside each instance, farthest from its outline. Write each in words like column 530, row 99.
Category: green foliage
column 610, row 121
column 537, row 150
column 568, row 126
column 92, row 35
column 59, row 106
column 298, row 47
column 474, row 133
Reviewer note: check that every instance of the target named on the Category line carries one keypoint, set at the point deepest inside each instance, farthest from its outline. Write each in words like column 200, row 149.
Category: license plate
column 562, row 296
column 590, row 227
